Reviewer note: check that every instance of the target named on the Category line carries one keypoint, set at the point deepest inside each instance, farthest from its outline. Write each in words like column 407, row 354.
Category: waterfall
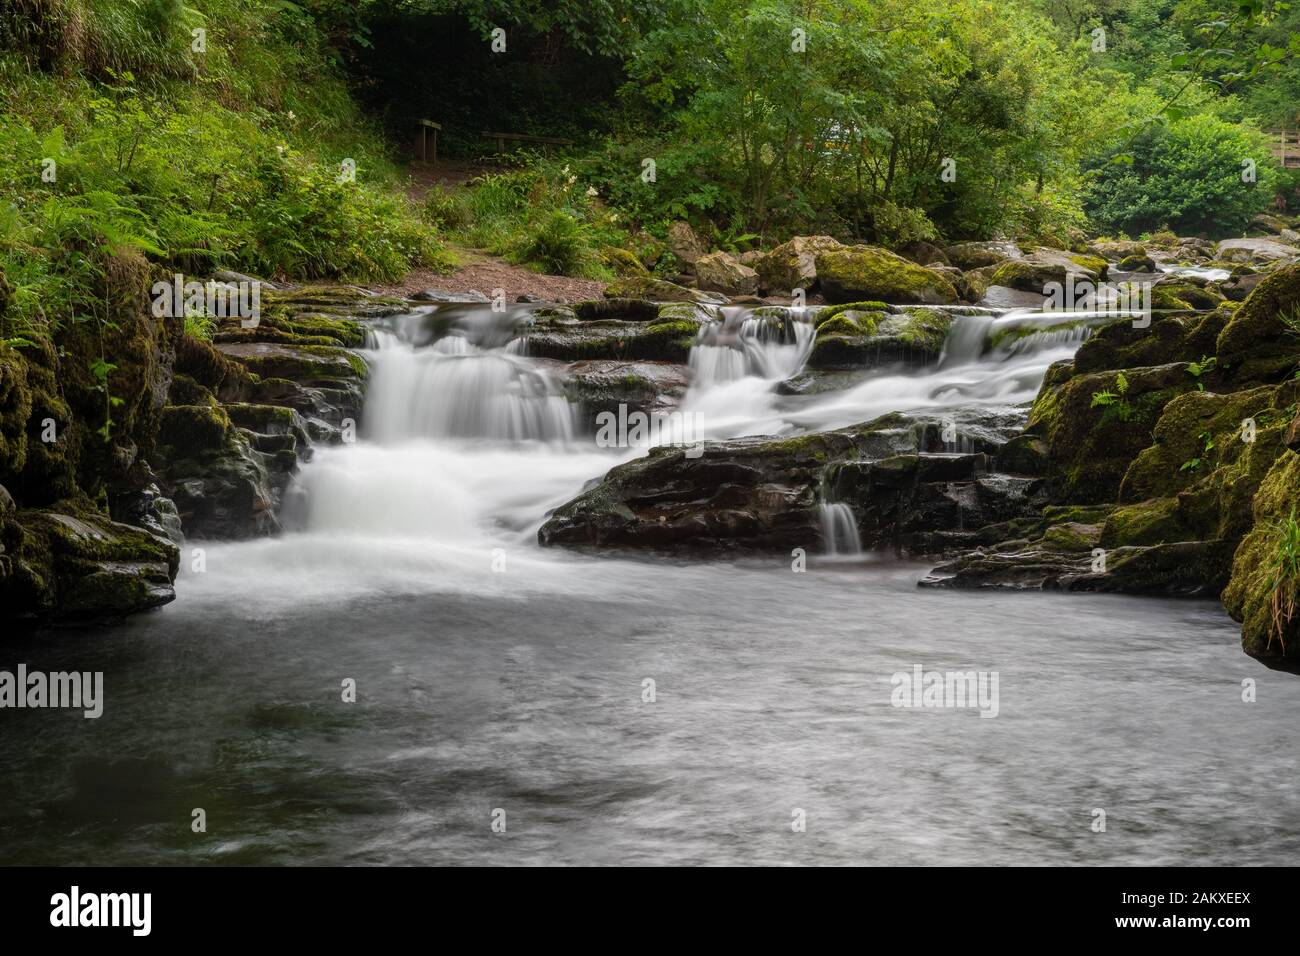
column 839, row 530
column 456, row 390
column 773, row 345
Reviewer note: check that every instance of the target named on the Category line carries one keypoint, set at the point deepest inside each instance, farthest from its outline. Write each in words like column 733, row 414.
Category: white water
column 839, row 529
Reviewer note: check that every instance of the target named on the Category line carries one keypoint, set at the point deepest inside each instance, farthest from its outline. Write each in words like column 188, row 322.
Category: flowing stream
column 627, row 709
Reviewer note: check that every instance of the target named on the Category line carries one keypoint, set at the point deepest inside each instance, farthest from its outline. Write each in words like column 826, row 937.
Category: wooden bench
column 422, row 140
column 546, row 141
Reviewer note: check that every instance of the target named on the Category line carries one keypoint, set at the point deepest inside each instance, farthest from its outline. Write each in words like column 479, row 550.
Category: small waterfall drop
column 840, row 536
column 772, row 343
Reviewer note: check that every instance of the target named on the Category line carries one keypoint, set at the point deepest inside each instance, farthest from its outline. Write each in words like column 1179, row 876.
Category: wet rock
column 865, row 335
column 1005, row 297
column 668, row 337
column 762, row 493
column 605, row 385
column 218, row 481
column 70, row 563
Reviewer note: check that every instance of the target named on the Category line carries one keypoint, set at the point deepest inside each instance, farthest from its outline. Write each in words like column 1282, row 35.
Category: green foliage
column 1198, row 369
column 558, row 244
column 1186, row 176
column 117, row 135
column 1114, row 402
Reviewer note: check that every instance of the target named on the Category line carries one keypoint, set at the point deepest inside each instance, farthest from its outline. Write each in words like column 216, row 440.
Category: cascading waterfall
column 466, row 442
column 457, row 390
column 770, row 346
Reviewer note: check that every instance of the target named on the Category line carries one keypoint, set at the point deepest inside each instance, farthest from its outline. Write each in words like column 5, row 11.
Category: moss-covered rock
column 1261, row 343
column 622, row 263
column 1033, row 273
column 666, row 336
column 304, row 364
column 1090, row 444
column 623, row 310
column 867, row 272
column 658, row 290
column 218, row 481
column 73, row 563
column 1249, row 595
column 848, row 338
column 606, row 385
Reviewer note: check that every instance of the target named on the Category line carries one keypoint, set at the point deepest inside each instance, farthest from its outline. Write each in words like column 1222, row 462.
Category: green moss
column 1249, row 592
column 623, row 263
column 830, row 311
column 1145, row 523
column 1257, row 344
column 867, row 272
column 655, row 290
column 1072, row 536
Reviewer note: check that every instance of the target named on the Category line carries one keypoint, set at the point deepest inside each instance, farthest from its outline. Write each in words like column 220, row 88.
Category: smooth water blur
column 523, row 691
column 492, row 674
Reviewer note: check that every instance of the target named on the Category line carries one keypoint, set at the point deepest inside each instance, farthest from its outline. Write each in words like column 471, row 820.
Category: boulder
column 1259, row 249
column 685, row 244
column 867, row 334
column 793, row 265
column 1032, row 273
column 668, row 337
column 869, row 273
column 763, row 493
column 975, row 255
column 72, row 563
column 1258, row 343
column 721, row 272
column 659, row 290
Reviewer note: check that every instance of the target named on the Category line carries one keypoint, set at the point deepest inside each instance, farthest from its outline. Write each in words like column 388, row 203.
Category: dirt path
column 480, row 272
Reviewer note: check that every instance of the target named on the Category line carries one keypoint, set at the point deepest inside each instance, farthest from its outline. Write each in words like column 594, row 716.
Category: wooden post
column 425, row 126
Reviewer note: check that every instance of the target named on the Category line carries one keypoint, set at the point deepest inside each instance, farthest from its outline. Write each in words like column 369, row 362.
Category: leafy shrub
column 559, row 244
column 1186, row 176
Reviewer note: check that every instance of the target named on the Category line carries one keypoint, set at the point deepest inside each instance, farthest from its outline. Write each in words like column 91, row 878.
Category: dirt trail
column 479, row 271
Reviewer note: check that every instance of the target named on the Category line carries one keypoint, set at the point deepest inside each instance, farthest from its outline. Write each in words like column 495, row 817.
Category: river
column 497, row 681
